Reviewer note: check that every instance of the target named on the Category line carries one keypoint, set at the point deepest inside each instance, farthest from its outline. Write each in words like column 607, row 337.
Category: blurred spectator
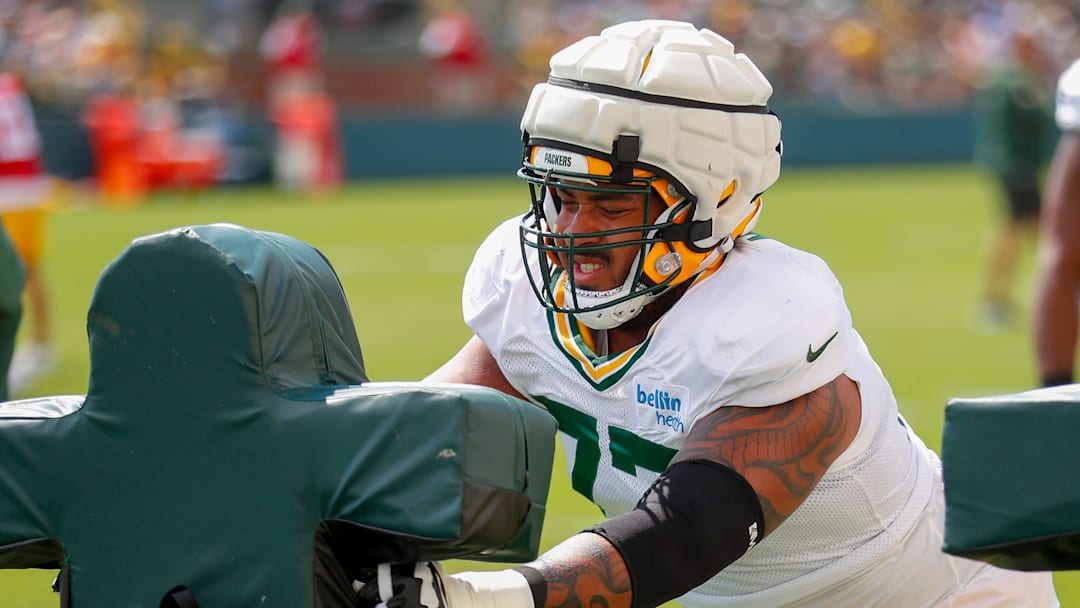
column 1013, row 110
column 292, row 48
column 454, row 42
column 307, row 152
column 869, row 57
column 24, row 192
column 307, row 156
column 865, row 57
column 1057, row 295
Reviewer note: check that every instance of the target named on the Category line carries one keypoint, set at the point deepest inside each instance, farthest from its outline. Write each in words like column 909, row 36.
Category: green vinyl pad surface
column 1010, row 467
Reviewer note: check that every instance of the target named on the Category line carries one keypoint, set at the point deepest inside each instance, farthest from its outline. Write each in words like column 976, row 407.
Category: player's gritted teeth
column 590, row 272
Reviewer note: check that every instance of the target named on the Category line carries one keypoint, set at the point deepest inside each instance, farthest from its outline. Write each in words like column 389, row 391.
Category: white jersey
column 1067, row 112
column 769, row 325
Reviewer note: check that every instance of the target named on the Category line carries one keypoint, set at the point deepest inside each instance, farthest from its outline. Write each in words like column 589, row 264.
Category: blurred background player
column 455, row 43
column 307, row 151
column 24, row 193
column 292, row 47
column 1057, row 294
column 1012, row 111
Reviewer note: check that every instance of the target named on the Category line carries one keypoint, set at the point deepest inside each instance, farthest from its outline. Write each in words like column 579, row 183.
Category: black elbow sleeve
column 698, row 517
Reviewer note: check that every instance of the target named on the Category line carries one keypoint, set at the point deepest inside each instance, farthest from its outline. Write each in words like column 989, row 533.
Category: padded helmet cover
column 697, row 106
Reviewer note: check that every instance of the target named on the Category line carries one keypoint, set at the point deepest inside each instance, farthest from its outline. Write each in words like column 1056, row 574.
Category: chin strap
column 610, row 317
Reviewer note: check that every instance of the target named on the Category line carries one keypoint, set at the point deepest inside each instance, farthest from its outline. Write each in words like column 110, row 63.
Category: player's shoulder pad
column 777, row 325
column 496, row 265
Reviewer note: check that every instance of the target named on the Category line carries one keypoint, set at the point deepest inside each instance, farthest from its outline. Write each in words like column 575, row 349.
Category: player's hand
column 427, row 585
column 404, row 586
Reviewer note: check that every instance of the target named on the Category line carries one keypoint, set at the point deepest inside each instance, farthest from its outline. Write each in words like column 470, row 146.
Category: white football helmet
column 664, row 107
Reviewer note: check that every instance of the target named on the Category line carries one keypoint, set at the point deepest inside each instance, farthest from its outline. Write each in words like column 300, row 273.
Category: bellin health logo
column 667, row 401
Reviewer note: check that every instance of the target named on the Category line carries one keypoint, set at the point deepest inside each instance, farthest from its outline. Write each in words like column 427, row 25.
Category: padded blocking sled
column 230, row 447
column 1010, row 464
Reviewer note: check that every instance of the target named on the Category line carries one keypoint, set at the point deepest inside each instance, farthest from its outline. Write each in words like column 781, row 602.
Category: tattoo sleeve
column 585, row 571
column 782, row 450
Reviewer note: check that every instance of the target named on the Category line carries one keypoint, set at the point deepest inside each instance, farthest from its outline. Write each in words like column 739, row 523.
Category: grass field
column 907, row 243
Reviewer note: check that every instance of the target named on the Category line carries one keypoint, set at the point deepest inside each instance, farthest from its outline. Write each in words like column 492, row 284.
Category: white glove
column 427, row 585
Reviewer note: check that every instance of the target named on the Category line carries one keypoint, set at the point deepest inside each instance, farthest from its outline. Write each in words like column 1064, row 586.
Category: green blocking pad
column 1010, row 467
column 230, row 446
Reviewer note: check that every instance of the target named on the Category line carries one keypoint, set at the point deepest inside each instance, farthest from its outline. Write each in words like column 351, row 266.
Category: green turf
column 907, row 243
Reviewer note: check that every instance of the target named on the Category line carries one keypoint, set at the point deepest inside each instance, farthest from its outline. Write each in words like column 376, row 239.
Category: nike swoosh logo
column 812, row 355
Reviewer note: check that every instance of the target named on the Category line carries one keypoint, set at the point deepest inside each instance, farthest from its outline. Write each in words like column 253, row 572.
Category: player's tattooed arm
column 584, row 571
column 782, row 450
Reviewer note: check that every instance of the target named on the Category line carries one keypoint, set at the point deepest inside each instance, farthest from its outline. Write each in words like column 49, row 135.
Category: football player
column 712, row 395
column 1058, row 283
column 1012, row 109
column 24, row 193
